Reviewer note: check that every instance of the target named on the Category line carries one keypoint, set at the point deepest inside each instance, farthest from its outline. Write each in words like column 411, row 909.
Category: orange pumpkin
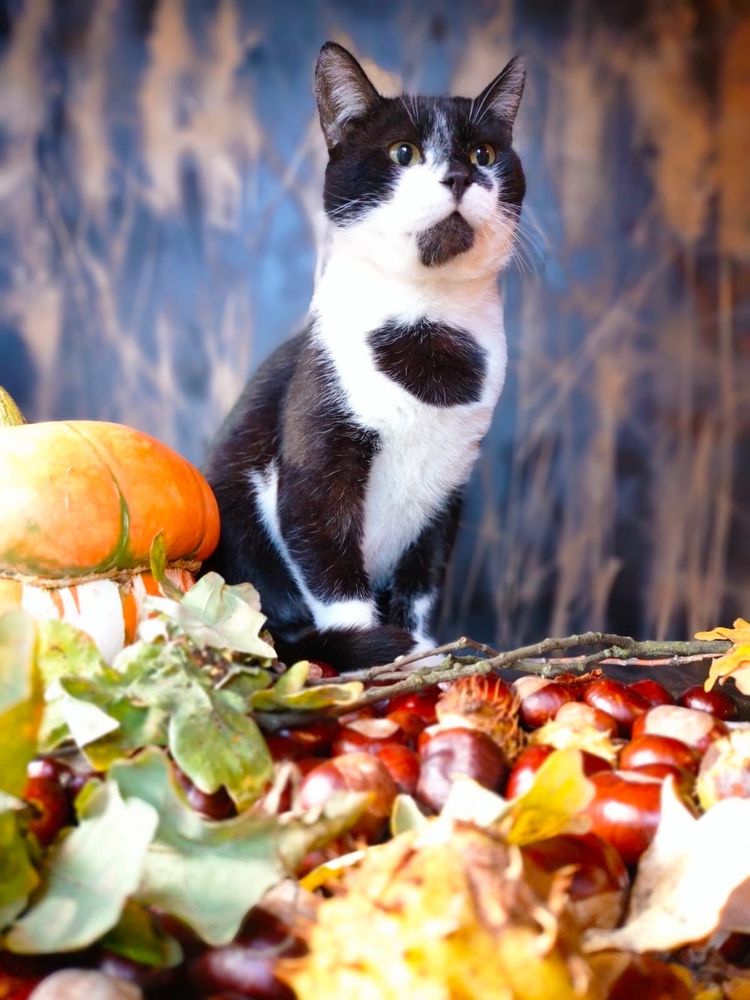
column 80, row 504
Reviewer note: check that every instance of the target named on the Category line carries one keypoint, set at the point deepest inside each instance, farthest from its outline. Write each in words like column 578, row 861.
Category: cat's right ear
column 342, row 90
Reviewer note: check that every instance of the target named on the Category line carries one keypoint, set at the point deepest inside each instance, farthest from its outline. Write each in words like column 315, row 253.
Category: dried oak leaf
column 575, row 734
column 438, row 914
column 692, row 881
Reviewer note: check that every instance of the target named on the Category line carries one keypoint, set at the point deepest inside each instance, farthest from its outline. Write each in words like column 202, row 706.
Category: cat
column 339, row 471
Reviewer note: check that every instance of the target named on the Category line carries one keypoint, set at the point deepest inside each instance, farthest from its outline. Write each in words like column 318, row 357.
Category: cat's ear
column 342, row 90
column 503, row 96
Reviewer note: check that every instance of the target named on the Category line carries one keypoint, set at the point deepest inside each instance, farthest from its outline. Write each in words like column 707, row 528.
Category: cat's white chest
column 426, row 452
column 423, row 459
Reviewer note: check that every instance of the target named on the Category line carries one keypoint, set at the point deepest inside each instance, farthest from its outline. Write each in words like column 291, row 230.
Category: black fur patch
column 445, row 241
column 439, row 364
column 348, row 648
column 324, row 466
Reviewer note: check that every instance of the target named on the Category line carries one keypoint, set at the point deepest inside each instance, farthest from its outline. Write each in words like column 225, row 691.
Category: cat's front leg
column 418, row 576
column 319, row 520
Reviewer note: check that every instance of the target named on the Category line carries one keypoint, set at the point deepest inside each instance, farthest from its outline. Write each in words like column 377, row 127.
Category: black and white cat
column 340, row 470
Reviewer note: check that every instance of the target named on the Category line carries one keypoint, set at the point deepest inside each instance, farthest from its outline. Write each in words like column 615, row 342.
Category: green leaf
column 65, row 653
column 18, row 877
column 139, row 939
column 219, row 616
column 217, row 744
column 87, row 876
column 210, row 874
column 406, row 816
column 21, row 698
column 157, row 559
column 289, row 692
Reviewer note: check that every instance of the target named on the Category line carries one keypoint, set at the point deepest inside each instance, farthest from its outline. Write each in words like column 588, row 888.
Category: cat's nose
column 457, row 179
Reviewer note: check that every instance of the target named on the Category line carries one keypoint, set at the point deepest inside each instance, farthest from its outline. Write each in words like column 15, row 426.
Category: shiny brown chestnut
column 403, row 766
column 367, row 736
column 540, row 699
column 719, row 704
column 531, row 759
column 617, row 700
column 579, row 715
column 625, row 811
column 652, row 691
column 600, row 882
column 450, row 752
column 247, row 966
column 312, row 740
column 410, row 724
column 653, row 749
column 50, row 803
column 697, row 729
column 216, row 805
column 684, row 780
column 353, row 772
column 421, row 703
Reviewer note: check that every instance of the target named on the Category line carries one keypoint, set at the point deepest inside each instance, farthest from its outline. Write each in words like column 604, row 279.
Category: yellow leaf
column 740, row 632
column 735, row 663
column 553, row 804
column 576, row 735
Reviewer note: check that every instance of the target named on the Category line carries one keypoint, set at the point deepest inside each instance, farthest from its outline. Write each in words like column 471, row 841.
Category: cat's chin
column 445, row 240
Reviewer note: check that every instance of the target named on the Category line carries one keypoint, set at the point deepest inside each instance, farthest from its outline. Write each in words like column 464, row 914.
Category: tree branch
column 405, row 677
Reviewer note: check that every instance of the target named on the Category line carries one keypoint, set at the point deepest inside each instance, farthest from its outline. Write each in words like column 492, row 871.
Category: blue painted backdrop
column 160, row 171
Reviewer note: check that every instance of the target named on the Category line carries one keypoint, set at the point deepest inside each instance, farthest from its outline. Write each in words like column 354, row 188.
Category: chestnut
column 403, row 766
column 447, row 753
column 531, row 759
column 653, row 749
column 216, row 805
column 540, row 699
column 367, row 736
column 625, row 810
column 578, row 714
column 697, row 729
column 50, row 803
column 421, row 703
column 247, row 966
column 410, row 724
column 652, row 691
column 684, row 780
column 319, row 670
column 312, row 740
column 597, row 892
column 353, row 772
column 617, row 700
column 719, row 704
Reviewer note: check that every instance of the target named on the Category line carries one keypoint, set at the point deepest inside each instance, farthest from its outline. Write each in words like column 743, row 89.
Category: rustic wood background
column 160, row 170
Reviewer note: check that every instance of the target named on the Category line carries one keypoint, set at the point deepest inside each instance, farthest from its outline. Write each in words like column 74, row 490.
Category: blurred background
column 160, row 178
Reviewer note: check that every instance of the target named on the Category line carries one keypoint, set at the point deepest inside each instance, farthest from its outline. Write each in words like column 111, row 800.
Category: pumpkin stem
column 10, row 415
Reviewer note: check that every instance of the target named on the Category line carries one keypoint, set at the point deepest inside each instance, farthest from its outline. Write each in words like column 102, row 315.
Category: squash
column 80, row 504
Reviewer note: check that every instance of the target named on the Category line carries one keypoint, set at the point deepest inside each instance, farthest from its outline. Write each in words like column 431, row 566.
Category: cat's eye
column 482, row 155
column 405, row 154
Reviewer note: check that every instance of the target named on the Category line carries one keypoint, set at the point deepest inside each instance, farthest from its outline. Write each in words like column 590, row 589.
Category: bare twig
column 533, row 659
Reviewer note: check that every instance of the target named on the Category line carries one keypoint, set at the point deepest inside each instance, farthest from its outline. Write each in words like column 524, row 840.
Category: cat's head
column 428, row 184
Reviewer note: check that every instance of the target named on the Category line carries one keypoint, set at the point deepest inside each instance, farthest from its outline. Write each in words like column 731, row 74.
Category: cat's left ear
column 342, row 90
column 503, row 96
